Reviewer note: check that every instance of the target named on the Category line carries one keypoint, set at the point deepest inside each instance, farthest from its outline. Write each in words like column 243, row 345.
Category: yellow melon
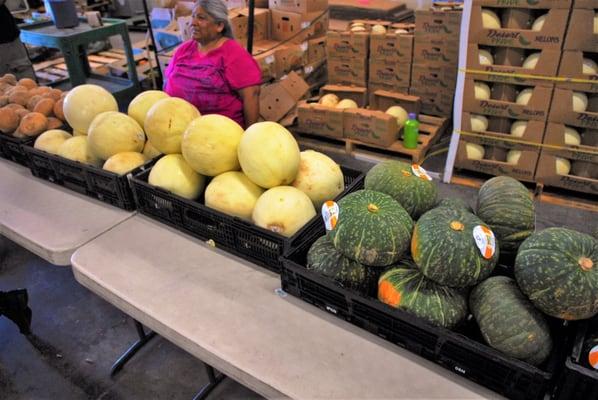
column 77, row 149
column 112, row 132
column 84, row 102
column 284, row 210
column 172, row 173
column 50, row 141
column 166, row 121
column 319, row 177
column 141, row 104
column 234, row 194
column 124, row 162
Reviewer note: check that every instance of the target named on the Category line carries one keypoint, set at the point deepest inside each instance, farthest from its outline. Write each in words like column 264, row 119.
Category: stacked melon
column 26, row 109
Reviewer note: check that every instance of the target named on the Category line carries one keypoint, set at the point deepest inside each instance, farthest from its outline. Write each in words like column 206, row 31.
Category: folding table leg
column 143, row 339
column 214, row 381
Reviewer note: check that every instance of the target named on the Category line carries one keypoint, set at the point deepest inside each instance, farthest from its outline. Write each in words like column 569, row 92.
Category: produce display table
column 47, row 220
column 226, row 312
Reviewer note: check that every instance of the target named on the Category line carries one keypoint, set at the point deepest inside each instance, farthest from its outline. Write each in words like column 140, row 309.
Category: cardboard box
column 383, row 100
column 392, row 47
column 348, row 71
column 526, row 3
column 587, row 4
column 317, row 119
column 298, row 6
column 524, row 170
column 534, row 133
column 290, row 57
column 390, row 72
column 277, row 99
column 261, row 23
column 375, row 127
column 551, row 36
column 547, row 65
column 572, row 67
column 267, row 64
column 434, row 24
column 355, row 93
column 298, row 27
column 437, row 77
column 347, row 44
column 580, row 35
column 555, row 136
column 369, row 23
column 316, row 50
column 546, row 174
column 434, row 102
column 388, row 87
column 435, row 51
column 562, row 111
column 230, row 4
column 409, row 27
column 536, row 108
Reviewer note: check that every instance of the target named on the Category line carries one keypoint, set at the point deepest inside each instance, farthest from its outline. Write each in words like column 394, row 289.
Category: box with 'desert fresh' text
column 375, row 127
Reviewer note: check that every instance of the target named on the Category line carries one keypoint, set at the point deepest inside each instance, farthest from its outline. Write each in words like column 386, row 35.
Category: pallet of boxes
column 512, row 57
column 366, row 101
column 291, row 49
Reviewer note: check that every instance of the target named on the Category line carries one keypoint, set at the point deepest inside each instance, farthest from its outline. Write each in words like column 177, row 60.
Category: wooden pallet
column 541, row 193
column 430, row 130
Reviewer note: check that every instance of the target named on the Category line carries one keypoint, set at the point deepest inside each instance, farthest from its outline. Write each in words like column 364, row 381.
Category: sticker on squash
column 420, row 172
column 593, row 357
column 485, row 240
column 330, row 213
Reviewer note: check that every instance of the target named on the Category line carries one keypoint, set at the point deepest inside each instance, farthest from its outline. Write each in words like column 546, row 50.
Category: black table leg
column 214, row 380
column 143, row 339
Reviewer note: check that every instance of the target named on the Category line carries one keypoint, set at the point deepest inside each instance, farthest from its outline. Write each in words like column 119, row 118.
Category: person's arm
column 2, row 2
column 251, row 104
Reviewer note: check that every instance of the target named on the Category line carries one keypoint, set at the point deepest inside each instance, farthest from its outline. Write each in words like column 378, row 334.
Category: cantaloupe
column 479, row 123
column 141, row 104
column 572, row 137
column 58, row 110
column 513, row 157
column 532, row 60
column 563, row 166
column 112, row 132
column 378, row 29
column 518, row 128
column 319, row 177
column 210, row 144
column 538, row 24
column 474, row 151
column 33, row 124
column 589, row 67
column 347, row 104
column 172, row 173
column 485, row 57
column 329, row 100
column 45, row 106
column 399, row 113
column 481, row 91
column 76, row 149
column 284, row 210
column 9, row 120
column 234, row 194
column 490, row 20
column 124, row 162
column 54, row 123
column 580, row 102
column 166, row 121
column 50, row 141
column 524, row 96
column 84, row 102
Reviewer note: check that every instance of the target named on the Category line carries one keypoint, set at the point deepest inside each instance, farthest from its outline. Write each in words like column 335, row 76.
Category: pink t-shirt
column 210, row 81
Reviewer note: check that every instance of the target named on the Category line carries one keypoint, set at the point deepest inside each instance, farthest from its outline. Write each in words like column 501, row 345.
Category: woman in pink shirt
column 212, row 71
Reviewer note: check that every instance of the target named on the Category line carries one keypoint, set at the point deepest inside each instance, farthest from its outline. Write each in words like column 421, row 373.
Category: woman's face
column 204, row 28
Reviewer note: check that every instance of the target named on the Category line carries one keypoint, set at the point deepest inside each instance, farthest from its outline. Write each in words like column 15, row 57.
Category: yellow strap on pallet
column 528, row 76
column 519, row 141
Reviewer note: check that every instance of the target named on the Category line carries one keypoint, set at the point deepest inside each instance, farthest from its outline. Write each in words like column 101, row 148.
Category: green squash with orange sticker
column 404, row 287
column 445, row 249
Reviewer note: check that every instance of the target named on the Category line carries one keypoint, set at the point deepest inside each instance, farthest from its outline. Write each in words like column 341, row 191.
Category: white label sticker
column 305, row 24
column 330, row 213
column 309, row 69
column 270, row 60
column 304, row 46
column 485, row 240
column 420, row 172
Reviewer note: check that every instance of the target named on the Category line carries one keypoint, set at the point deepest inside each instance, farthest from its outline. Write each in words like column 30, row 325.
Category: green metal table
column 72, row 42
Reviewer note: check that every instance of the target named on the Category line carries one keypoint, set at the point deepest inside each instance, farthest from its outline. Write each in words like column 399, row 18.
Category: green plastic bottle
column 411, row 132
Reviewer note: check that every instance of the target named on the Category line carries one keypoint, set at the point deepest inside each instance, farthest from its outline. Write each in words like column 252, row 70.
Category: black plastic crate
column 235, row 235
column 579, row 380
column 12, row 149
column 85, row 179
column 462, row 351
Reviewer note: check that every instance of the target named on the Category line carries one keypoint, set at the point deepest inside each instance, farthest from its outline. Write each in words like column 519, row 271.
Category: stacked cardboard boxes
column 435, row 59
column 571, row 137
column 347, row 55
column 506, row 110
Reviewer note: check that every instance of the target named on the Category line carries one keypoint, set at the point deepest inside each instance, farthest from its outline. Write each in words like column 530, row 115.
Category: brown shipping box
column 261, row 23
column 316, row 50
column 320, row 120
column 355, row 93
column 555, row 136
column 434, row 102
column 546, row 174
column 547, row 65
column 375, row 127
column 587, row 4
column 434, row 24
column 383, row 100
column 297, row 27
column 526, row 3
column 347, row 44
column 298, row 6
column 290, row 57
column 374, row 87
column 389, row 72
column 435, row 51
column 572, row 67
column 536, row 108
column 267, row 64
column 551, row 36
column 534, row 133
column 392, row 47
column 562, row 111
column 277, row 99
column 524, row 169
column 348, row 71
column 434, row 77
column 580, row 33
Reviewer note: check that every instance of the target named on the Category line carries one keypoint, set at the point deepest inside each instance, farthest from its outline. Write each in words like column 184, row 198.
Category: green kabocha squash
column 444, row 248
column 372, row 228
column 557, row 268
column 505, row 204
column 455, row 202
column 324, row 259
column 397, row 179
column 405, row 287
column 508, row 320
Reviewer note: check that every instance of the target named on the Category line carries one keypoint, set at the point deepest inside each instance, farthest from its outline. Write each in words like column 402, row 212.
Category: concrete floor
column 77, row 336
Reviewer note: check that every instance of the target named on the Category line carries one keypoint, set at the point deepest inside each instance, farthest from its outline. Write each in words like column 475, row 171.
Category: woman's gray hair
column 217, row 9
